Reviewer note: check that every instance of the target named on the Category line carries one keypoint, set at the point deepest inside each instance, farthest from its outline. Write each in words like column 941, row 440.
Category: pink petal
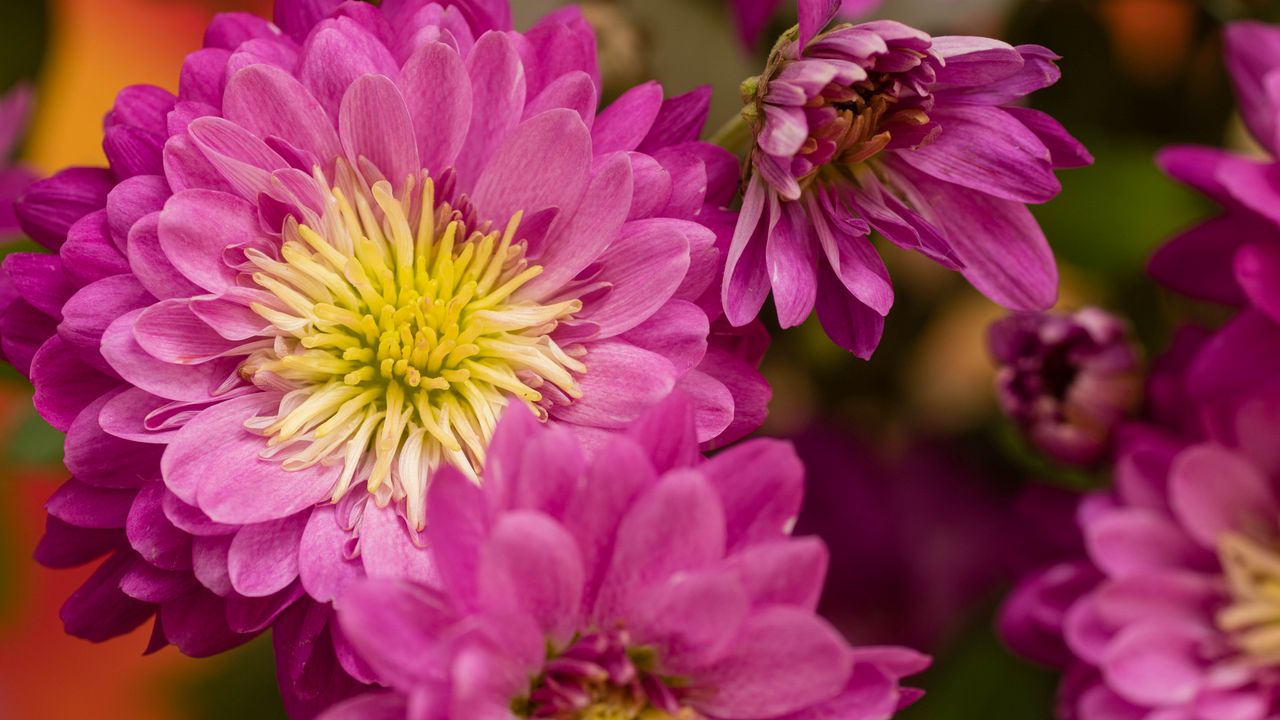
column 439, row 94
column 1214, row 491
column 532, row 566
column 374, row 124
column 263, row 558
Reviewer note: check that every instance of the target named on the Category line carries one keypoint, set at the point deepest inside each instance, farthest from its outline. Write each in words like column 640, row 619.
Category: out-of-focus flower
column 881, row 127
column 640, row 584
column 917, row 537
column 752, row 16
column 15, row 110
column 1171, row 611
column 1235, row 257
column 1067, row 380
column 319, row 273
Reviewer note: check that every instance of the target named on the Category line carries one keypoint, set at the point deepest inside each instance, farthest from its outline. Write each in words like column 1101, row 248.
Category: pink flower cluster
column 1169, row 609
column 382, row 335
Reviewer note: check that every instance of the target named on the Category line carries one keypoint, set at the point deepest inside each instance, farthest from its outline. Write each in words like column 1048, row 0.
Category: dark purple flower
column 643, row 584
column 1067, row 380
column 881, row 127
column 319, row 273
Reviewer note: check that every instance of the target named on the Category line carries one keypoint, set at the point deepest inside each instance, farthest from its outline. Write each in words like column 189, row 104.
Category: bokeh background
column 930, row 501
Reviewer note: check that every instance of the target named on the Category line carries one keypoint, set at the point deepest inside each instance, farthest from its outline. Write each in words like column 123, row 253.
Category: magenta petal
column 152, row 535
column 90, row 253
column 543, row 164
column 975, row 60
column 785, row 659
column 99, row 610
column 856, row 262
column 572, row 91
column 1134, row 540
column 388, row 550
column 209, row 563
column 1215, row 491
column 677, row 331
column 1251, row 57
column 298, row 17
column 677, row 526
column 88, row 314
column 792, row 265
column 1064, row 150
column 498, row 87
column 692, row 619
column 1004, row 251
column 712, row 401
column 644, row 265
column 1258, row 271
column 531, row 565
column 627, row 121
column 132, row 200
column 322, row 565
column 170, row 331
column 746, row 278
column 374, row 124
column 375, row 610
column 1197, row 261
column 459, row 522
column 814, row 16
column 336, row 54
column 270, row 102
column 104, row 460
column 175, row 382
column 263, row 557
column 51, row 206
column 619, row 472
column 151, row 266
column 987, row 150
column 785, row 572
column 760, row 484
column 441, row 117
column 217, row 457
column 68, row 546
column 589, row 231
column 847, row 320
column 65, row 385
column 86, row 506
column 1156, row 663
column 197, row 625
column 196, row 226
column 384, row 705
column 621, row 381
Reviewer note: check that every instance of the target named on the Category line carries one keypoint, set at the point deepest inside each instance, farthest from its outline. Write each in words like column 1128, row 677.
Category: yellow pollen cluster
column 399, row 339
column 1253, row 580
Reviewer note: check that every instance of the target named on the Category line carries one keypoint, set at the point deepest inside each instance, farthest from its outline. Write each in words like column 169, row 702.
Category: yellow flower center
column 1252, row 618
column 400, row 337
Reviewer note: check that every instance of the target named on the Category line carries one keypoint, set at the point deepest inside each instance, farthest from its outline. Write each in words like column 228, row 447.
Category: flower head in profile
column 881, row 127
column 1066, row 380
column 642, row 583
column 315, row 278
column 15, row 109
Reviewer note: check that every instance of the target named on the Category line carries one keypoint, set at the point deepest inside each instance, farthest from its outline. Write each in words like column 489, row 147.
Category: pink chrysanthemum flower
column 1235, row 257
column 1067, row 380
column 642, row 583
column 881, row 127
column 15, row 108
column 318, row 275
column 1171, row 610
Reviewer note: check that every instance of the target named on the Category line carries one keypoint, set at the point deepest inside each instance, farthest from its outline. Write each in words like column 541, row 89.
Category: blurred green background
column 1137, row 75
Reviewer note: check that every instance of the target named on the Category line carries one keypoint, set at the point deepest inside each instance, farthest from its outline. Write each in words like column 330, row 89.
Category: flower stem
column 734, row 135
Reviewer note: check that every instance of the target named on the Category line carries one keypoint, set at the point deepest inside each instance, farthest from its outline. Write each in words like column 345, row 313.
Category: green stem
column 734, row 135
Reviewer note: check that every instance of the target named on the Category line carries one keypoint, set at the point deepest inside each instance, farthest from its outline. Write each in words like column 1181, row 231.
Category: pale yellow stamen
column 1253, row 579
column 400, row 337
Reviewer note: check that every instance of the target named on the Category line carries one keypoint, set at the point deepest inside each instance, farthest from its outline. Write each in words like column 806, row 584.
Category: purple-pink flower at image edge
column 881, row 127
column 753, row 16
column 1172, row 610
column 1067, row 380
column 317, row 276
column 1234, row 258
column 642, row 583
column 15, row 111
